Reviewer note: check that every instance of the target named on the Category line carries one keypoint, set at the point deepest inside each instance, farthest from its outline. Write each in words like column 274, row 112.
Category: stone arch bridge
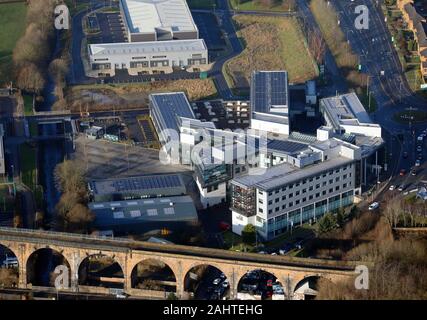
column 181, row 259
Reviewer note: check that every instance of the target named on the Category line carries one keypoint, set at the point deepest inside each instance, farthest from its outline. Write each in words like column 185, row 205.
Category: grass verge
column 271, row 43
column 250, row 5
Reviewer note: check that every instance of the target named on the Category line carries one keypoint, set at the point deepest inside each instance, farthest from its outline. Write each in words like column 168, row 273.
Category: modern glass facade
column 312, row 212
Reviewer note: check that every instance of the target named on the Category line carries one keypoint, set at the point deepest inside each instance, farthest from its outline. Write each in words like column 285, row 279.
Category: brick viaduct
column 181, row 259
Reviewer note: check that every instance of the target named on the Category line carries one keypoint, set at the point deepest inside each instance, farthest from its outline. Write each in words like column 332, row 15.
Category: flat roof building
column 270, row 101
column 140, row 55
column 157, row 20
column 142, row 216
column 321, row 178
column 166, row 111
column 161, row 35
column 346, row 114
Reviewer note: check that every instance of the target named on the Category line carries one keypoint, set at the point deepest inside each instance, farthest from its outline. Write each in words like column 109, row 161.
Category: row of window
column 303, row 182
column 303, row 200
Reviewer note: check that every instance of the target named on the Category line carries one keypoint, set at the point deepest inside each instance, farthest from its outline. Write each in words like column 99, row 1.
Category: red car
column 224, row 226
column 402, row 172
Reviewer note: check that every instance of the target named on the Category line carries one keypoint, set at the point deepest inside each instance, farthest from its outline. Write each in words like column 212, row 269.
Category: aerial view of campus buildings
column 212, row 150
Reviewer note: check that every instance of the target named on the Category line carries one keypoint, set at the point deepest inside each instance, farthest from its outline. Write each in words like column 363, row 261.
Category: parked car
column 405, row 155
column 217, row 281
column 402, row 172
column 414, row 172
column 419, row 149
column 224, row 226
column 417, row 163
column 392, row 187
column 298, row 244
column 286, row 248
column 401, row 187
column 374, row 206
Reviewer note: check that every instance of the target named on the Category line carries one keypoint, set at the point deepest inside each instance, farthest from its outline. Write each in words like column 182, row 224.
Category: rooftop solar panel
column 168, row 107
column 269, row 88
column 143, row 183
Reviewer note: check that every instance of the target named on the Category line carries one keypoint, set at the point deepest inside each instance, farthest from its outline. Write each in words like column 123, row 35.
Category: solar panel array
column 136, row 184
column 269, row 88
column 168, row 107
column 286, row 146
column 144, row 183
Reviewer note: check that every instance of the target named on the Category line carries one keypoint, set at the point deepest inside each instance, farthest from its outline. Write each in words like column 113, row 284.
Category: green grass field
column 253, row 6
column 12, row 22
column 271, row 43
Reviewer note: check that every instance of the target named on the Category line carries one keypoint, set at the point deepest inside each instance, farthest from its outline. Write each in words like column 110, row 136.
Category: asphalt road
column 390, row 90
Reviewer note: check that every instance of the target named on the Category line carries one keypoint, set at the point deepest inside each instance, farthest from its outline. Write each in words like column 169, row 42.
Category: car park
column 373, row 206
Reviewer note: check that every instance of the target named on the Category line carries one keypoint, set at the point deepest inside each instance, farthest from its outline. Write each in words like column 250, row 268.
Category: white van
column 374, row 206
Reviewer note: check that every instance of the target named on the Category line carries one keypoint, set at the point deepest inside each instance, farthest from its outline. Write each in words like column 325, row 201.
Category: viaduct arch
column 289, row 271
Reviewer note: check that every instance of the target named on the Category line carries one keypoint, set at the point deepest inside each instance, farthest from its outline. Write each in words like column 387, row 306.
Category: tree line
column 33, row 51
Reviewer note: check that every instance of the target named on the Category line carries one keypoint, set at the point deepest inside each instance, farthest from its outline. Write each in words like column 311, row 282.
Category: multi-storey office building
column 322, row 178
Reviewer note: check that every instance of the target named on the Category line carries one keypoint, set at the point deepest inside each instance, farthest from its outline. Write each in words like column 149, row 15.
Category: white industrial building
column 148, row 55
column 157, row 20
column 161, row 35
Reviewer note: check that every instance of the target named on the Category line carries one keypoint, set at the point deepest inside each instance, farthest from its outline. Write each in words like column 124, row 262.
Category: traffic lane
column 377, row 44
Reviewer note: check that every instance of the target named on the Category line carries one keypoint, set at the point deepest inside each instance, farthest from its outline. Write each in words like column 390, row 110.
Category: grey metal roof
column 269, row 88
column 345, row 109
column 141, row 184
column 149, row 47
column 148, row 15
column 171, row 106
column 150, row 210
column 277, row 176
